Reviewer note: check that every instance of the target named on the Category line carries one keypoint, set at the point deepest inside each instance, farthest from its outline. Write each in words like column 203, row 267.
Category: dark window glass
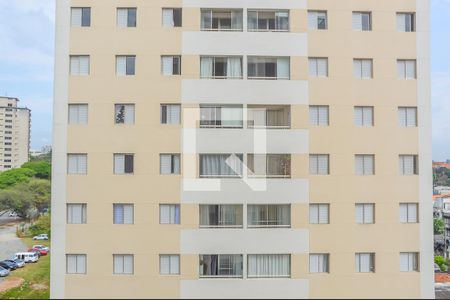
column 132, row 12
column 86, row 17
column 131, row 60
column 176, row 65
column 177, row 17
column 129, row 163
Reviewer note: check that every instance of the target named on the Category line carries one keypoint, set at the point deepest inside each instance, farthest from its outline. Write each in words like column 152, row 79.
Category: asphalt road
column 9, row 243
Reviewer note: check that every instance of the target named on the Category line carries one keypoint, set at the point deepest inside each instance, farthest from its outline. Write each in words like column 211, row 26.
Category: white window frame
column 358, row 24
column 170, row 110
column 317, row 114
column 402, row 21
column 70, row 219
column 411, row 213
column 173, row 262
column 404, row 69
column 78, row 114
column 123, row 257
column 315, row 69
column 317, row 261
column 125, row 206
column 403, row 164
column 129, row 113
column 364, row 158
column 409, row 261
column 358, row 259
column 175, row 166
column 315, row 161
column 407, row 116
column 171, row 219
column 80, row 65
column 313, row 19
column 365, row 214
column 364, row 116
column 359, row 65
column 164, row 69
column 316, row 210
column 79, row 170
column 80, row 264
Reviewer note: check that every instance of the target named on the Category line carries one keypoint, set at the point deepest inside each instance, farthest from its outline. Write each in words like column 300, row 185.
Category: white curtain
column 357, row 21
column 122, row 17
column 236, row 20
column 231, row 116
column 221, row 215
column 121, row 65
column 220, row 165
column 206, row 67
column 269, row 265
column 282, row 20
column 77, row 163
column 363, row 262
column 283, row 68
column 221, row 265
column 167, row 17
column 76, row 17
column 269, row 215
column 257, row 117
column 76, row 213
column 234, row 67
column 129, row 114
column 318, row 263
column 119, row 164
column 206, row 19
column 167, row 65
column 123, row 264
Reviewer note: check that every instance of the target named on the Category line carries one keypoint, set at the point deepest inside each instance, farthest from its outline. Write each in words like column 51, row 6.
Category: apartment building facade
column 242, row 149
column 14, row 133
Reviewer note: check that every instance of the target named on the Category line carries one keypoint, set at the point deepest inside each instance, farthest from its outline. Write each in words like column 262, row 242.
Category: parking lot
column 9, row 243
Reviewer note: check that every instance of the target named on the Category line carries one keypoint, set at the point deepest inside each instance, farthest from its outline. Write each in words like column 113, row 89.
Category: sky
column 26, row 66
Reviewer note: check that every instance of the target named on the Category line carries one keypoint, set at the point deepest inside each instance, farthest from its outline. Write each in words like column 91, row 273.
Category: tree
column 438, row 226
column 12, row 177
column 18, row 201
column 42, row 225
column 42, row 169
column 120, row 115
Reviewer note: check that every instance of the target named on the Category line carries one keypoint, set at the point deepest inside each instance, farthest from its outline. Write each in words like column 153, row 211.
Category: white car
column 40, row 237
column 3, row 272
column 13, row 214
column 27, row 256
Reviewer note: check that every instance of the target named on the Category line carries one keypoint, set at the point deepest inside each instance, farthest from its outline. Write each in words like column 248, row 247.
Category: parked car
column 41, row 247
column 27, row 256
column 40, row 251
column 13, row 214
column 20, row 263
column 3, row 272
column 8, row 265
column 40, row 237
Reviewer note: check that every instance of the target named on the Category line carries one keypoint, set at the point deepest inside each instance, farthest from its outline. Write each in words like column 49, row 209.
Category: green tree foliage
column 42, row 225
column 47, row 157
column 19, row 201
column 43, row 169
column 440, row 261
column 441, row 176
column 438, row 225
column 12, row 177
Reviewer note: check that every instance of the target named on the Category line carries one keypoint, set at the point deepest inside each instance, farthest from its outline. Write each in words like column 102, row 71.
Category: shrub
column 42, row 225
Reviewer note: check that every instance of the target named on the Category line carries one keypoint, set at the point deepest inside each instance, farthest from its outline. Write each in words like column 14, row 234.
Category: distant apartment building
column 14, row 133
column 242, row 149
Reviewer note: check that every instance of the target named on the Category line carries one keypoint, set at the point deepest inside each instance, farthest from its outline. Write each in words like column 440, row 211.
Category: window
column 169, row 163
column 406, row 68
column 125, row 65
column 362, row 68
column 363, row 116
column 221, row 116
column 407, row 116
column 81, row 16
column 78, row 114
column 269, row 165
column 79, row 65
column 365, row 262
column 77, row 163
column 76, row 213
column 317, row 20
column 123, row 264
column 221, row 67
column 75, row 263
column 124, row 114
column 224, row 215
column 169, row 264
column 221, row 165
column 319, row 263
column 269, row 265
column 170, row 113
column 268, row 116
column 319, row 214
column 221, row 19
column 406, row 22
column 123, row 164
column 408, row 165
column 319, row 115
column 364, row 164
column 409, row 261
column 319, row 164
column 170, row 65
column 172, row 17
column 269, row 215
column 169, row 214
column 268, row 67
column 126, row 17
column 318, row 67
column 123, row 213
column 266, row 20
column 365, row 213
column 220, row 265
column 408, row 213
column 362, row 21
